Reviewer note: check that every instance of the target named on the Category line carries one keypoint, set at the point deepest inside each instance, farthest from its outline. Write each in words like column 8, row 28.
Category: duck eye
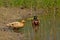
column 12, row 24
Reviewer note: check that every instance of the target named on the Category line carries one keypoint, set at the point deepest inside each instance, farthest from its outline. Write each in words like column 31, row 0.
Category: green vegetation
column 46, row 18
column 28, row 3
column 46, row 24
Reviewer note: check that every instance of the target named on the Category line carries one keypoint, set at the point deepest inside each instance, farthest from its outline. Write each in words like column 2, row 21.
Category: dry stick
column 51, row 31
column 32, row 35
column 29, row 34
column 49, row 11
column 29, row 38
column 44, row 32
column 54, row 28
column 39, row 30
